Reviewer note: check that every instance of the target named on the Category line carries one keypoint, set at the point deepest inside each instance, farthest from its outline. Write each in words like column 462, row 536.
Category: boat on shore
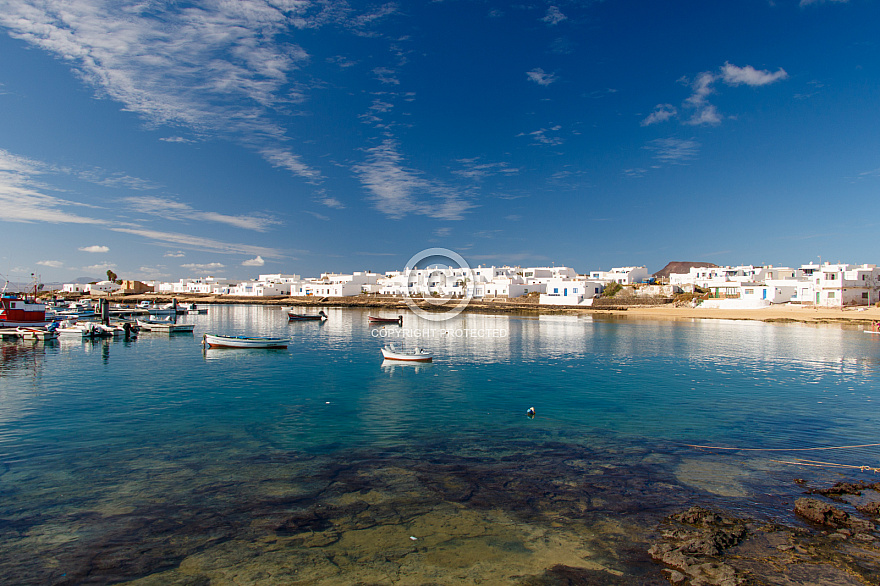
column 320, row 316
column 386, row 320
column 416, row 355
column 151, row 325
column 220, row 341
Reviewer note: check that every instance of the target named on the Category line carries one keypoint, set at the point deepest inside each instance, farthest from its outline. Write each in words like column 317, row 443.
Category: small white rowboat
column 217, row 341
column 417, row 355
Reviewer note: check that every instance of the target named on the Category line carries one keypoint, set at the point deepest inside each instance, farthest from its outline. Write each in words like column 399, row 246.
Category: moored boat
column 417, row 355
column 219, row 341
column 320, row 316
column 17, row 311
column 36, row 333
column 386, row 320
column 89, row 330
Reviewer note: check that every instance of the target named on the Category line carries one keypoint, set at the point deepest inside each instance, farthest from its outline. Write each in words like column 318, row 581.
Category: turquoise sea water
column 156, row 460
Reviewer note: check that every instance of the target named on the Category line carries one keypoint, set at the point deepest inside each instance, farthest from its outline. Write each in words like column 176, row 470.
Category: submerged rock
column 828, row 515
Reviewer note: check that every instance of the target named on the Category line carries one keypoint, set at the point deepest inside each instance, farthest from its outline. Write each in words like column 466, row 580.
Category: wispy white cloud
column 284, row 159
column 341, row 61
column 54, row 264
column 331, row 202
column 540, row 77
column 748, row 75
column 554, row 16
column 205, row 268
column 214, row 67
column 174, row 254
column 810, row 2
column 386, row 75
column 151, row 273
column 545, row 136
column 170, row 209
column 636, row 172
column 95, row 248
column 254, row 262
column 179, row 139
column 673, row 150
column 474, row 169
column 321, row 217
column 199, row 243
column 703, row 87
column 114, row 180
column 398, row 191
column 661, row 113
column 22, row 196
column 103, row 267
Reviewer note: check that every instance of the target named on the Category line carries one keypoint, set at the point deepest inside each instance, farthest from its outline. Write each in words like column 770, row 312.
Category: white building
column 838, row 285
column 622, row 275
column 102, row 287
column 571, row 292
column 74, row 288
column 336, row 285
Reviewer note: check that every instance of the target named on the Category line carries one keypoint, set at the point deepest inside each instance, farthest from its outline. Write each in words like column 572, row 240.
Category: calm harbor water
column 157, row 462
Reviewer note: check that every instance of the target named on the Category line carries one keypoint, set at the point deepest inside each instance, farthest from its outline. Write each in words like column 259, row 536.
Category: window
column 556, row 290
column 865, row 295
column 830, row 276
column 831, row 295
column 574, row 290
column 750, row 292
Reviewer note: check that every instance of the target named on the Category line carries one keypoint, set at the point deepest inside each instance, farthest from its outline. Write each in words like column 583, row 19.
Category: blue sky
column 173, row 139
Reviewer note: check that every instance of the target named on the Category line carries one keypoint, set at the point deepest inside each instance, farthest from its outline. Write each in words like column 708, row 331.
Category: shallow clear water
column 101, row 440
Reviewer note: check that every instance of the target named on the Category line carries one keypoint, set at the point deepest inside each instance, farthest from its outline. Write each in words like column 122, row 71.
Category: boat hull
column 404, row 357
column 214, row 341
column 385, row 320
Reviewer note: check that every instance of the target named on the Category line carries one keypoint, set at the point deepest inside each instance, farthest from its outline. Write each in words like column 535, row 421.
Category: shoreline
column 855, row 316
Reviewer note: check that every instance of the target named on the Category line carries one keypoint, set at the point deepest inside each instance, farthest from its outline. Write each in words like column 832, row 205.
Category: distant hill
column 680, row 267
column 28, row 287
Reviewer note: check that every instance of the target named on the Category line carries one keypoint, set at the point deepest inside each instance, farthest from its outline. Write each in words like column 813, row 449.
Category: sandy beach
column 775, row 313
column 860, row 316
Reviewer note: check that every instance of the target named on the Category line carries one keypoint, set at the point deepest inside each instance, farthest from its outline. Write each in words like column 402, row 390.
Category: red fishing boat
column 16, row 311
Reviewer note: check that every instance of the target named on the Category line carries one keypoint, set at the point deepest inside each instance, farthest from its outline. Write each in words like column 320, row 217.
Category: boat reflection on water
column 390, row 366
column 228, row 354
column 22, row 354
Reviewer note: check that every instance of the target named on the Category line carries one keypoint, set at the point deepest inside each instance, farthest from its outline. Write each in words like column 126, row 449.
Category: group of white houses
column 754, row 286
column 829, row 284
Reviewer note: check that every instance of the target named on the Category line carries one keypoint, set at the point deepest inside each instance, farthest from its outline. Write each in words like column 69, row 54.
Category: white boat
column 36, row 333
column 416, row 355
column 218, row 341
column 89, row 330
column 164, row 326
